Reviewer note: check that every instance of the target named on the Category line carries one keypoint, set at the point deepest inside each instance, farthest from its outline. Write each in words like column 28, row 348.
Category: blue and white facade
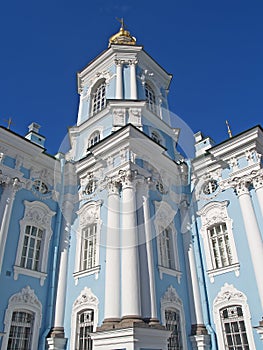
column 227, row 182
column 112, row 245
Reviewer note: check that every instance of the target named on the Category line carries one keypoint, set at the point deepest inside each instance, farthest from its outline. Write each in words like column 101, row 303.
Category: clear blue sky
column 214, row 49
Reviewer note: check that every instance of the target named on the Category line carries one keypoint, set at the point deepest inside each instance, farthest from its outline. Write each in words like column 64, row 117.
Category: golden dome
column 122, row 37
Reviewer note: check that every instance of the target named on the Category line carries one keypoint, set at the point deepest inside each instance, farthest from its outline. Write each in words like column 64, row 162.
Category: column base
column 139, row 335
column 198, row 329
column 56, row 339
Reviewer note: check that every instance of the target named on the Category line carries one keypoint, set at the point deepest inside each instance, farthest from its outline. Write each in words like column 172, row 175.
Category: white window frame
column 229, row 296
column 171, row 301
column 92, row 142
column 150, row 97
column 96, row 92
column 95, row 130
column 164, row 220
column 89, row 215
column 212, row 214
column 25, row 301
column 39, row 215
column 86, row 300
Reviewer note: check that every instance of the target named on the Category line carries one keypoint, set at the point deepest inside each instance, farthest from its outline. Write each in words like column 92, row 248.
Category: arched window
column 20, row 335
column 172, row 315
column 94, row 138
column 234, row 328
column 98, row 97
column 22, row 321
column 34, row 240
column 84, row 320
column 233, row 319
column 150, row 98
column 173, row 324
column 85, row 323
column 168, row 258
column 218, row 237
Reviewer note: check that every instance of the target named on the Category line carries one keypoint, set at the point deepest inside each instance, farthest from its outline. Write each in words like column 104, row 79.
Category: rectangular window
column 220, row 246
column 172, row 319
column 234, row 330
column 88, row 247
column 166, row 249
column 31, row 248
column 85, row 324
column 20, row 335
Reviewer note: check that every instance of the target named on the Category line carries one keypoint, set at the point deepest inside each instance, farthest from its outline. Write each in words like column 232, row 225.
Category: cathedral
column 123, row 242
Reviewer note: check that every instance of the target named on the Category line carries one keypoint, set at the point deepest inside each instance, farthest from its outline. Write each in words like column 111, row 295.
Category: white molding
column 85, row 300
column 40, row 215
column 211, row 214
column 228, row 296
column 88, row 214
column 25, row 300
column 171, row 301
column 164, row 219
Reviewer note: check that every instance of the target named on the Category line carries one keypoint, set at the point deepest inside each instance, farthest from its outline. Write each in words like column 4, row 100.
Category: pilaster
column 119, row 79
column 112, row 273
column 11, row 186
column 130, row 263
column 252, row 231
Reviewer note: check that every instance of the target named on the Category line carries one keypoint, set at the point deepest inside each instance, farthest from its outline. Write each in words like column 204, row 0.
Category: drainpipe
column 56, row 246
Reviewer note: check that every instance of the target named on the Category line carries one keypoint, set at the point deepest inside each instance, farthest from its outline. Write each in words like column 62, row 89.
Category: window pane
column 20, row 335
column 31, row 248
column 234, row 329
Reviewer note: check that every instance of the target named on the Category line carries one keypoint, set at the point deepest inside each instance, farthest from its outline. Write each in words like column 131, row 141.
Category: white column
column 112, row 272
column 133, row 81
column 130, row 262
column 6, row 204
column 119, row 81
column 63, row 265
column 150, row 261
column 198, row 328
column 253, row 233
column 258, row 185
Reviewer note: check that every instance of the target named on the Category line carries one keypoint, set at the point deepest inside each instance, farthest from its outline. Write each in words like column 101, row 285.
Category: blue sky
column 213, row 49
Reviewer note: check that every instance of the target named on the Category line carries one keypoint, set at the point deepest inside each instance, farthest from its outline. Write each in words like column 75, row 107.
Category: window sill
column 79, row 274
column 32, row 273
column 234, row 267
column 171, row 272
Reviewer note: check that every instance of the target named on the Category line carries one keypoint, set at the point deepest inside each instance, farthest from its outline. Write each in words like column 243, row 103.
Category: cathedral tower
column 128, row 280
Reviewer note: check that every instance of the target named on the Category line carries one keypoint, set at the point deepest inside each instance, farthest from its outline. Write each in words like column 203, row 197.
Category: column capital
column 119, row 62
column 258, row 181
column 113, row 186
column 127, row 178
column 133, row 62
column 241, row 187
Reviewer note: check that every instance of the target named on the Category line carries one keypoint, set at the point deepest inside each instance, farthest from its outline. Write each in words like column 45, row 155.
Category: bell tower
column 126, row 281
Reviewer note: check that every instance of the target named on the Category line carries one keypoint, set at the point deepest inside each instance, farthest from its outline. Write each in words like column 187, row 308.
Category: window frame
column 98, row 95
column 164, row 216
column 39, row 215
column 95, row 134
column 227, row 297
column 89, row 214
column 85, row 301
column 212, row 214
column 81, row 325
column 150, row 97
column 24, row 301
column 172, row 302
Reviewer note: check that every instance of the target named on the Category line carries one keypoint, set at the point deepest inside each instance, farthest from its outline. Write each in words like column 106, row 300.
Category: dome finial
column 123, row 36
